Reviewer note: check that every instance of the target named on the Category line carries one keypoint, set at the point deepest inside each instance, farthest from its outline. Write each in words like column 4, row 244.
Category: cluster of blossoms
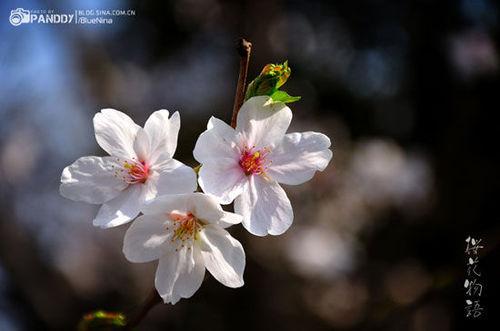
column 184, row 229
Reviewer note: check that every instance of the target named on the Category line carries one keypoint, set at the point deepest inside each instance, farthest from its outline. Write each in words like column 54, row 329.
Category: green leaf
column 282, row 96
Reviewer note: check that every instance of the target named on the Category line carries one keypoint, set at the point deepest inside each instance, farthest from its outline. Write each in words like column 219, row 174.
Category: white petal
column 206, row 208
column 223, row 255
column 141, row 146
column 164, row 204
column 150, row 187
column 121, row 209
column 162, row 132
column 229, row 219
column 91, row 179
column 179, row 274
column 115, row 132
column 203, row 206
column 175, row 178
column 147, row 238
column 219, row 140
column 263, row 124
column 298, row 157
column 223, row 178
column 265, row 207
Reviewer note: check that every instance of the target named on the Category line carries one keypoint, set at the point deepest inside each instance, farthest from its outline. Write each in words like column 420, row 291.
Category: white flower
column 185, row 233
column 248, row 162
column 139, row 168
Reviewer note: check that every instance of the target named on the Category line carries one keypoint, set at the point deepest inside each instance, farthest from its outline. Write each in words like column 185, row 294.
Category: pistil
column 253, row 162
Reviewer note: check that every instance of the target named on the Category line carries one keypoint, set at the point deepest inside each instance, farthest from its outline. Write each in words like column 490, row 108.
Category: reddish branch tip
column 244, row 48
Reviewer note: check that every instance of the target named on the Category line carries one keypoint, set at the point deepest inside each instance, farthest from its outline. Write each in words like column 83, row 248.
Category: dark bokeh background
column 407, row 91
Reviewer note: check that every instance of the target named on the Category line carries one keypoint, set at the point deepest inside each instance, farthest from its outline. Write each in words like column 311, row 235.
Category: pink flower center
column 186, row 226
column 254, row 162
column 134, row 172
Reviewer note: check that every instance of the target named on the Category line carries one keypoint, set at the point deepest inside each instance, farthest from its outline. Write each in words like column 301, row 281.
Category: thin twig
column 152, row 300
column 244, row 48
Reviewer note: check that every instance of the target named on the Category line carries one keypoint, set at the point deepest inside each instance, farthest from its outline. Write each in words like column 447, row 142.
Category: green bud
column 103, row 321
column 262, row 86
column 271, row 78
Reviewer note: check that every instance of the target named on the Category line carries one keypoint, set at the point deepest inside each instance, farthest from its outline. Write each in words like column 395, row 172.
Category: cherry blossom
column 139, row 168
column 186, row 234
column 247, row 164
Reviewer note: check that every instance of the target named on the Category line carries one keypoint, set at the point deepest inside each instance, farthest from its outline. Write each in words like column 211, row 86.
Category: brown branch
column 152, row 300
column 244, row 48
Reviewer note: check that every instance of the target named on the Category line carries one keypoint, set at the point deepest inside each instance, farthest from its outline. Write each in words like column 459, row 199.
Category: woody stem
column 244, row 48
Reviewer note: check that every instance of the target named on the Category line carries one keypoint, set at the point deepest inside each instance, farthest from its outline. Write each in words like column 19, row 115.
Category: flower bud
column 281, row 71
column 102, row 320
column 272, row 77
